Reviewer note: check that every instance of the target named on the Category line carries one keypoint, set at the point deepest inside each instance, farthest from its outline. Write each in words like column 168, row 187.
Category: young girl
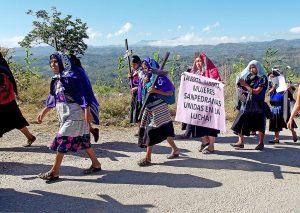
column 156, row 124
column 76, row 105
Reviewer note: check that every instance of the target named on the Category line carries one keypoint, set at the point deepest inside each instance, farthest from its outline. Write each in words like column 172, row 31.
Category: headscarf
column 208, row 68
column 260, row 71
column 76, row 83
column 4, row 68
column 243, row 75
column 163, row 83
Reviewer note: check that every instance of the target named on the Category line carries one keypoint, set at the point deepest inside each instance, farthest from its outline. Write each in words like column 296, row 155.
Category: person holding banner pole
column 204, row 66
column 135, row 77
column 156, row 124
column 253, row 84
column 280, row 102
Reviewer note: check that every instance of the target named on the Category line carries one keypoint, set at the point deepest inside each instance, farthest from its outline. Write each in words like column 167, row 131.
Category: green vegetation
column 108, row 73
column 61, row 33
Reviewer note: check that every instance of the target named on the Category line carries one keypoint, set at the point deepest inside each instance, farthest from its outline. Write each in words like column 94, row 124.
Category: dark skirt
column 199, row 131
column 277, row 122
column 155, row 135
column 245, row 123
column 135, row 108
column 11, row 117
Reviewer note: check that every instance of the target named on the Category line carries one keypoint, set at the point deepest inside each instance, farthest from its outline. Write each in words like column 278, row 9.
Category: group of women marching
column 152, row 91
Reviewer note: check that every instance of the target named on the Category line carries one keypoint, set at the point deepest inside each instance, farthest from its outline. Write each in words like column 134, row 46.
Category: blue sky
column 181, row 22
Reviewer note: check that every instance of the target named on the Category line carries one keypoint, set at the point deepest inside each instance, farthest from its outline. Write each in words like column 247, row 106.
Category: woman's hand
column 243, row 83
column 42, row 114
column 133, row 90
column 152, row 90
column 289, row 124
column 88, row 115
column 40, row 118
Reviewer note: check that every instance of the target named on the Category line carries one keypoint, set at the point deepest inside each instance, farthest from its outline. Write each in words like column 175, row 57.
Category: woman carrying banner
column 277, row 98
column 204, row 66
column 76, row 105
column 156, row 124
column 10, row 114
column 253, row 84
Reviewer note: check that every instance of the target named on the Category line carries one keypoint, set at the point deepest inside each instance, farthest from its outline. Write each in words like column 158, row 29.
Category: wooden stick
column 154, row 82
column 128, row 59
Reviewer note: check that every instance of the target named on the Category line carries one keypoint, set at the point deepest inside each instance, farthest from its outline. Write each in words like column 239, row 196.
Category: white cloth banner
column 201, row 102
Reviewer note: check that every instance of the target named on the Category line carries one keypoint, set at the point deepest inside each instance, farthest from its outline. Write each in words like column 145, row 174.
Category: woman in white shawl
column 252, row 84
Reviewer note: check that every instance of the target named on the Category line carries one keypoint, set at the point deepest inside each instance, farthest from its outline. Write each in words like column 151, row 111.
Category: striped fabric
column 156, row 114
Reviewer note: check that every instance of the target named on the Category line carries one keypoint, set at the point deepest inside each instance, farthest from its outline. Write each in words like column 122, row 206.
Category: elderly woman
column 10, row 114
column 72, row 95
column 253, row 84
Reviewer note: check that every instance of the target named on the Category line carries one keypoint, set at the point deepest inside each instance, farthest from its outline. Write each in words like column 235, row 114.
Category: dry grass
column 114, row 107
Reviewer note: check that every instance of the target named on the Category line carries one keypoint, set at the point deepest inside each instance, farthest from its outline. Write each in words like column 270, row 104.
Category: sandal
column 29, row 142
column 144, row 162
column 91, row 170
column 48, row 176
column 274, row 141
column 260, row 147
column 237, row 145
column 206, row 151
column 172, row 156
column 203, row 146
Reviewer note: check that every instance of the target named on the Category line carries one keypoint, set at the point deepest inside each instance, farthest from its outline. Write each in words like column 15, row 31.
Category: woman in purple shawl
column 72, row 95
column 156, row 124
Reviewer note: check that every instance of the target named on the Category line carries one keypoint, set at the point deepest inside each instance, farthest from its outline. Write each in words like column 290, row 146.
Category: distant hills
column 101, row 62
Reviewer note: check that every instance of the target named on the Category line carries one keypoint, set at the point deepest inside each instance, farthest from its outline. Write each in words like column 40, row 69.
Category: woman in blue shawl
column 253, row 84
column 72, row 95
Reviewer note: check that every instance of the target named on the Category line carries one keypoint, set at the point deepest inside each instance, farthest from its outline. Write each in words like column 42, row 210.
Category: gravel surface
column 228, row 181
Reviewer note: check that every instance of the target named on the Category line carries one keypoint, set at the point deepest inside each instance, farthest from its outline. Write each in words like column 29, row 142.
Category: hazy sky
column 163, row 21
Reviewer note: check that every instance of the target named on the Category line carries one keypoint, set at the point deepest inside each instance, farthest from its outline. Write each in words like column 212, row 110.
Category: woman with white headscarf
column 252, row 84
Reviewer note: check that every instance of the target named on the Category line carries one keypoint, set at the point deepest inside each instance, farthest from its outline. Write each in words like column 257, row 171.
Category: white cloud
column 192, row 39
column 124, row 29
column 93, row 34
column 11, row 42
column 209, row 28
column 179, row 27
column 295, row 30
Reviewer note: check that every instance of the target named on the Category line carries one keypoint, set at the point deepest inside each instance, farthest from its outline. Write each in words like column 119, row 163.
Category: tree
column 69, row 35
column 271, row 59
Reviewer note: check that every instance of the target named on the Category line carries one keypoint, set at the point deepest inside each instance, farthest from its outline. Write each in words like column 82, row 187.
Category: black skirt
column 11, row 117
column 277, row 122
column 245, row 123
column 199, row 131
column 135, row 108
column 155, row 135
